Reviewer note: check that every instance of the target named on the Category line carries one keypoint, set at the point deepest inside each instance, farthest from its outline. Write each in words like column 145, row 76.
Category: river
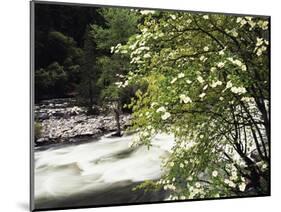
column 98, row 172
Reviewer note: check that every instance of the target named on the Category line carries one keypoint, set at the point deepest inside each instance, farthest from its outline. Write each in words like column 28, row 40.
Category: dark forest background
column 73, row 57
column 59, row 39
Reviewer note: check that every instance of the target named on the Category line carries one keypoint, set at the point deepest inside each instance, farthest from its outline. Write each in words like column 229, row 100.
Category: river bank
column 62, row 121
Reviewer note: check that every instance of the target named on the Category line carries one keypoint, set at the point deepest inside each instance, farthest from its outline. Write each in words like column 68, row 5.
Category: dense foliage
column 208, row 85
column 120, row 25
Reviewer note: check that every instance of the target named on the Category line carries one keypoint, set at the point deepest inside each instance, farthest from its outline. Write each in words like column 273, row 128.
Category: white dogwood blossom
column 238, row 62
column 166, row 115
column 174, row 80
column 161, row 109
column 205, row 87
column 203, row 58
column 200, row 79
column 146, row 12
column 185, row 99
column 215, row 173
column 216, row 83
column 173, row 17
column 238, row 90
column 259, row 41
column 238, row 20
column 188, row 81
column 147, row 55
column 221, row 64
column 213, row 69
column 229, row 84
column 202, row 95
column 180, row 75
column 205, row 17
column 242, row 187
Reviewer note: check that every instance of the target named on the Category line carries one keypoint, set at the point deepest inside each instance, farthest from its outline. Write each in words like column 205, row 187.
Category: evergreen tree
column 120, row 25
column 88, row 88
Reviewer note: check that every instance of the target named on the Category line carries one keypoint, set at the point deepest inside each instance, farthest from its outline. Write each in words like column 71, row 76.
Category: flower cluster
column 261, row 46
column 185, row 99
column 232, row 32
column 146, row 12
column 252, row 23
column 122, row 84
column 238, row 63
column 216, row 83
column 221, row 64
column 165, row 114
column 238, row 90
column 196, row 191
column 200, row 79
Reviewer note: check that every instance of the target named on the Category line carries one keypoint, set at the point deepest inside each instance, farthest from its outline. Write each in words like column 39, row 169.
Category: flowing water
column 98, row 172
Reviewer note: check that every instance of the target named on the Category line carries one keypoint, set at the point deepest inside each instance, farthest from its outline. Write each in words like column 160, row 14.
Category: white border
column 14, row 109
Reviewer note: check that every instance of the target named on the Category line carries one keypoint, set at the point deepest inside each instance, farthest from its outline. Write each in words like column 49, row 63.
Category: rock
column 62, row 123
column 58, row 114
column 75, row 111
column 116, row 134
column 43, row 116
column 42, row 140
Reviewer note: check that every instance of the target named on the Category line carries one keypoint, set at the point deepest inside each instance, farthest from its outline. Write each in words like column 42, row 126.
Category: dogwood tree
column 207, row 79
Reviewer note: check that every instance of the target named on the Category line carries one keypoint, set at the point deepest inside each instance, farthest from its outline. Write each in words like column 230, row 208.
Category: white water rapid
column 97, row 170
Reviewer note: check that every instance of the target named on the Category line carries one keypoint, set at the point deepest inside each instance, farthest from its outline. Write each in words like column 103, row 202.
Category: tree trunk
column 117, row 119
column 90, row 106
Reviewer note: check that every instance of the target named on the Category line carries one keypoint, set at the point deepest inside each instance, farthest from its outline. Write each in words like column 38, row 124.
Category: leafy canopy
column 208, row 84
